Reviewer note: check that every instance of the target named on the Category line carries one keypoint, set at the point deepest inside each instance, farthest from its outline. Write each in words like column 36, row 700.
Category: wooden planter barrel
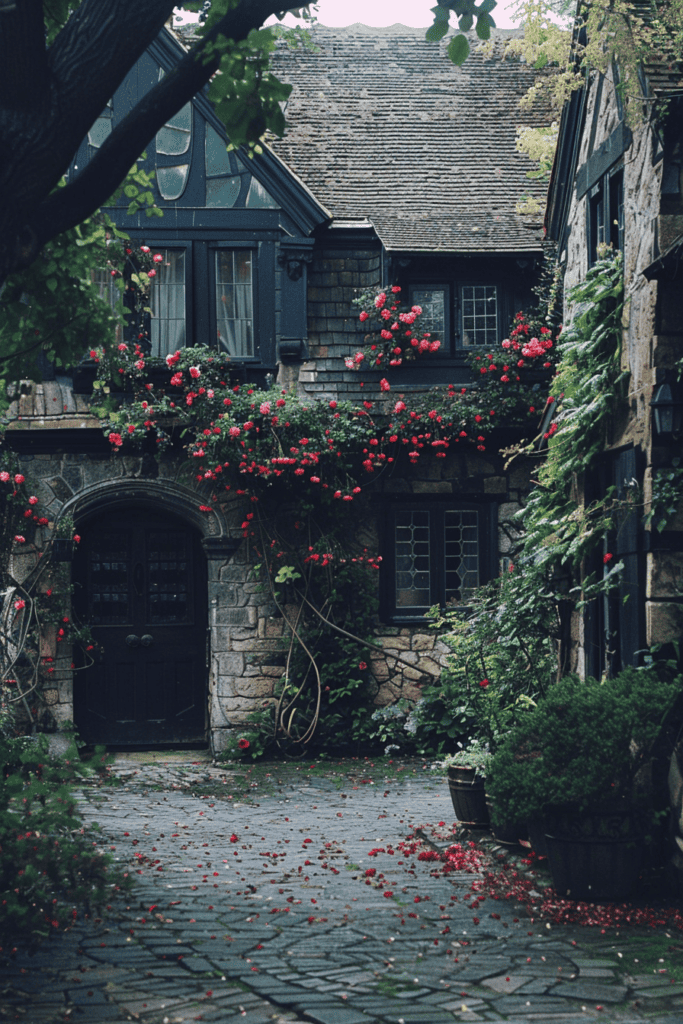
column 468, row 796
column 594, row 856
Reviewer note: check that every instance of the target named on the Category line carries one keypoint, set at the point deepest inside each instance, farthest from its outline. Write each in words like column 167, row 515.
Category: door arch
column 140, row 583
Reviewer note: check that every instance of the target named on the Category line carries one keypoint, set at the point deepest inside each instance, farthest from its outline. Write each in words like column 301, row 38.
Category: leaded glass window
column 436, row 557
column 413, row 558
column 432, row 301
column 168, row 583
column 461, row 554
column 109, row 583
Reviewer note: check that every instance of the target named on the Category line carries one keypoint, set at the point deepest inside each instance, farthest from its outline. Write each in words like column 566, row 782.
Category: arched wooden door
column 140, row 584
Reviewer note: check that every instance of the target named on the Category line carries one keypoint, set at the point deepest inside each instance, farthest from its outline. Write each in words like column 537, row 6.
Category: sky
column 390, row 12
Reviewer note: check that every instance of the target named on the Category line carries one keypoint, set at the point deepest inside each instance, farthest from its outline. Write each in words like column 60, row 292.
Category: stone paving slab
column 298, row 904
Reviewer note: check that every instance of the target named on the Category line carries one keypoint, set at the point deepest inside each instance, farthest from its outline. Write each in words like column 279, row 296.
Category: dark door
column 140, row 586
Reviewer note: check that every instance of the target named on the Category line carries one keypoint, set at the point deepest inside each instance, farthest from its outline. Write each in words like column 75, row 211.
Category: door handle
column 139, row 641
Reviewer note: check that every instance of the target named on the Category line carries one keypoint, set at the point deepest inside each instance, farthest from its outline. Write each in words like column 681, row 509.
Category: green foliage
column 67, row 301
column 559, row 529
column 504, row 657
column 584, row 744
column 50, row 870
column 468, row 14
column 475, row 755
column 246, row 97
column 667, row 493
column 51, row 311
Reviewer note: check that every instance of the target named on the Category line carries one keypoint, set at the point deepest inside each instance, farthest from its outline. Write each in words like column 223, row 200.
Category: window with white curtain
column 235, row 302
column 167, row 303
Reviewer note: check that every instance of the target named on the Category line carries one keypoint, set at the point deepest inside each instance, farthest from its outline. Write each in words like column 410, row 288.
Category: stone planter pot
column 468, row 796
column 594, row 856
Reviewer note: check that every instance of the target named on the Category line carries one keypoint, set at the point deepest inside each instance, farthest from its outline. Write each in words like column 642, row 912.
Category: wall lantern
column 667, row 413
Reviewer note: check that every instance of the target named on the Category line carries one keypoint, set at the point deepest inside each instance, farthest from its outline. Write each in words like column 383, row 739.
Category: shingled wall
column 336, row 277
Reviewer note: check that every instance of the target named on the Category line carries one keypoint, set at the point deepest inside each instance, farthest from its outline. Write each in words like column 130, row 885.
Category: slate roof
column 381, row 125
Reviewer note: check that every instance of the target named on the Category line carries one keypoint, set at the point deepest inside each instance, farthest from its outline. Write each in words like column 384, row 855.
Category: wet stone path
column 293, row 900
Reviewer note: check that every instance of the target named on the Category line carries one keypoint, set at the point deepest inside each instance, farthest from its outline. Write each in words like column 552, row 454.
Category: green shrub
column 583, row 744
column 50, row 870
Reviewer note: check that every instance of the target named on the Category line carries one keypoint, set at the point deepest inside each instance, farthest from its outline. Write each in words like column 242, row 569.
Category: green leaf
column 436, row 31
column 466, row 22
column 52, row 284
column 483, row 28
column 458, row 49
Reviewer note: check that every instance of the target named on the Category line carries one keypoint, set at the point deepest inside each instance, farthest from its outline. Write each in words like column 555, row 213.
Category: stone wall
column 652, row 334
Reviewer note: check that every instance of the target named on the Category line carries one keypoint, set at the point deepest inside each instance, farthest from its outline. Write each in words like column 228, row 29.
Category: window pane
column 413, row 555
column 223, row 192
column 172, row 180
column 479, row 315
column 167, row 303
column 174, row 138
column 216, row 156
column 433, row 304
column 167, row 579
column 259, row 197
column 461, row 554
column 234, row 302
column 109, row 587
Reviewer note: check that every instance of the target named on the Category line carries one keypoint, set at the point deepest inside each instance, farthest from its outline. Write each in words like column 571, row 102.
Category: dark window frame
column 200, row 313
column 231, row 244
column 605, row 212
column 438, row 505
column 454, row 331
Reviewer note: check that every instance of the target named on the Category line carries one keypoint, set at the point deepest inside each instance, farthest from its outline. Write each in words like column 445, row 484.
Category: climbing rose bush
column 394, row 332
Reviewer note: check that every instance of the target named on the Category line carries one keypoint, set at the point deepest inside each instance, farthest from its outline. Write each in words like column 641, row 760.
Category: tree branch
column 23, row 59
column 68, row 206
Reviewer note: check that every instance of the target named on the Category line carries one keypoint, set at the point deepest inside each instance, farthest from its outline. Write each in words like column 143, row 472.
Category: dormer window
column 461, row 316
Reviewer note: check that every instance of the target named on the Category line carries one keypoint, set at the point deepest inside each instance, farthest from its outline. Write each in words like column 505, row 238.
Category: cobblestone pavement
column 259, row 907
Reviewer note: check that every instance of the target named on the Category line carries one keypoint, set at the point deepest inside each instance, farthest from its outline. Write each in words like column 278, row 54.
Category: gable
column 193, row 169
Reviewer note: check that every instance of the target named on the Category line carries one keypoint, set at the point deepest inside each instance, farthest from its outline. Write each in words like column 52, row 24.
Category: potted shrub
column 466, row 771
column 576, row 762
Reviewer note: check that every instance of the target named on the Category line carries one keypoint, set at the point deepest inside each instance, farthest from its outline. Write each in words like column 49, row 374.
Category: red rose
column 484, row 683
column 243, row 744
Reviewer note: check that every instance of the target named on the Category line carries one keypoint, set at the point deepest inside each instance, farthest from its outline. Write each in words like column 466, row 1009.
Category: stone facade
column 645, row 156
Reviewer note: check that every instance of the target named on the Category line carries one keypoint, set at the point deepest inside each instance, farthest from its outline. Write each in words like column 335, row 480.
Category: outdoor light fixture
column 667, row 412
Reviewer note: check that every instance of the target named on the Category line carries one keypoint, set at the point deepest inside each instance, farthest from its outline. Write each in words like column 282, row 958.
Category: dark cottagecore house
column 397, row 168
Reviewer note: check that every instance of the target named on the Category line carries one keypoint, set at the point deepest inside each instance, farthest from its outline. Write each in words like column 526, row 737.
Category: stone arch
column 174, row 498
